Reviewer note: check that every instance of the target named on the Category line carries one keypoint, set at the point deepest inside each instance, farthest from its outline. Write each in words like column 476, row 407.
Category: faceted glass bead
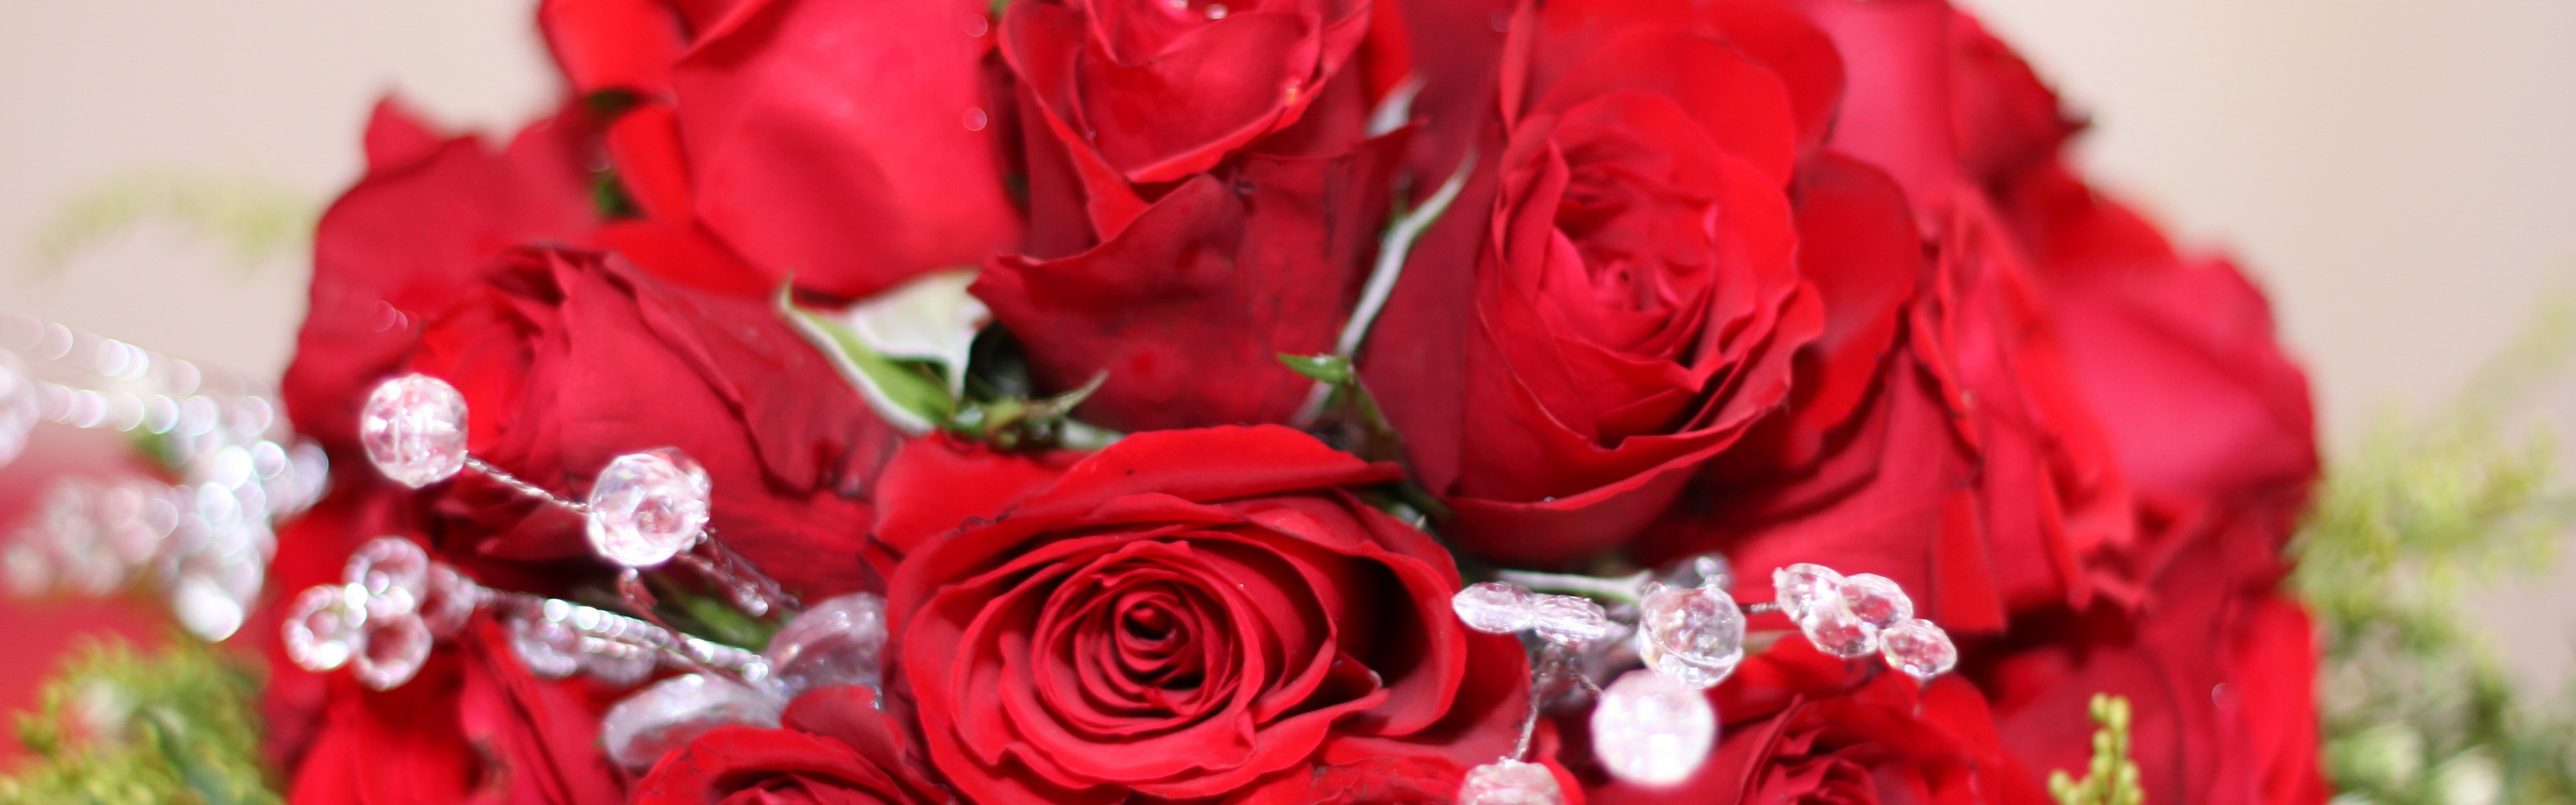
column 1651, row 729
column 619, row 670
column 549, row 649
column 667, row 715
column 1495, row 607
column 1568, row 620
column 448, row 601
column 837, row 642
column 20, row 407
column 393, row 652
column 1694, row 635
column 1510, row 782
column 322, row 630
column 1876, row 599
column 1836, row 631
column 647, row 507
column 1704, row 570
column 1802, row 587
column 388, row 563
column 414, row 429
column 1919, row 648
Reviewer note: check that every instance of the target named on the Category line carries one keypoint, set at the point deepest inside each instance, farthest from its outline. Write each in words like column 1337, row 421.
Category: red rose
column 837, row 747
column 845, row 143
column 407, row 241
column 473, row 726
column 1190, row 615
column 568, row 359
column 1204, row 195
column 1799, row 729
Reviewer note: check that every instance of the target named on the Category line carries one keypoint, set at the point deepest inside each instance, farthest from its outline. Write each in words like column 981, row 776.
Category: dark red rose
column 1188, row 308
column 1801, row 726
column 845, row 143
column 1621, row 293
column 1204, row 194
column 837, row 748
column 1190, row 615
column 473, row 726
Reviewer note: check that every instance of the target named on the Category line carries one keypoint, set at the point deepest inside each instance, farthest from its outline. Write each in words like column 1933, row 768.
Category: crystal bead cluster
column 204, row 541
column 1863, row 614
column 1654, row 726
column 381, row 619
column 644, row 509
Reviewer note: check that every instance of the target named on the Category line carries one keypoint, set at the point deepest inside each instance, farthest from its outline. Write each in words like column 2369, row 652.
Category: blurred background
column 2401, row 174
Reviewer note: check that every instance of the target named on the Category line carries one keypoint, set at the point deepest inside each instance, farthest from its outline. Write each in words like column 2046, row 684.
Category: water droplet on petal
column 976, row 119
column 414, row 430
column 1216, row 11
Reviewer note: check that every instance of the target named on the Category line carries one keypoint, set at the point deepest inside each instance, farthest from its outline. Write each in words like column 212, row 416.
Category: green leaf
column 1327, row 369
column 910, row 394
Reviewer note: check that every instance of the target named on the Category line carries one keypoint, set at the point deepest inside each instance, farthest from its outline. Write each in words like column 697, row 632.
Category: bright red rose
column 1619, row 295
column 568, row 359
column 410, row 239
column 846, row 143
column 837, row 748
column 1803, row 726
column 1189, row 615
column 472, row 727
column 1204, row 194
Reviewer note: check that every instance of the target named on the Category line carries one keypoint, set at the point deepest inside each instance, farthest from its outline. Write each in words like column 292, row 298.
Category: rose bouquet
column 1281, row 401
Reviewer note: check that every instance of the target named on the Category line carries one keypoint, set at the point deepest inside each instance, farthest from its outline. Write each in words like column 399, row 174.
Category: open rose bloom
column 1156, row 372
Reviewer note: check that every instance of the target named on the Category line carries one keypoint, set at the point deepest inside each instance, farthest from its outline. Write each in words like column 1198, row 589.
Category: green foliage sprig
column 2416, row 708
column 257, row 219
column 2112, row 777
column 118, row 728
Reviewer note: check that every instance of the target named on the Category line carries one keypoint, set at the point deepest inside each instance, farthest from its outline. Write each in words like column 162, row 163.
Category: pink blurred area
column 36, row 634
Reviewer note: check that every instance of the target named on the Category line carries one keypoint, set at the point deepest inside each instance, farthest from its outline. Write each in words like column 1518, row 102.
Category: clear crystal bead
column 21, row 407
column 1494, row 607
column 1876, row 599
column 1802, row 587
column 1838, row 632
column 394, row 650
column 667, row 715
column 389, row 563
column 1694, row 635
column 447, row 600
column 1919, row 648
column 1704, row 570
column 1510, row 782
column 414, row 429
column 647, row 507
column 837, row 642
column 322, row 630
column 618, row 669
column 1651, row 729
column 1568, row 620
column 549, row 649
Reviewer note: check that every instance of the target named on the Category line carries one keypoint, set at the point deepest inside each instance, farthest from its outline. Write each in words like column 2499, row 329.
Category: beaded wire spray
column 645, row 510
column 1653, row 725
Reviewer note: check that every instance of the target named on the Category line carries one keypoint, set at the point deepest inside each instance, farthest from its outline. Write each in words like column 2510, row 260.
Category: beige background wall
column 2401, row 173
